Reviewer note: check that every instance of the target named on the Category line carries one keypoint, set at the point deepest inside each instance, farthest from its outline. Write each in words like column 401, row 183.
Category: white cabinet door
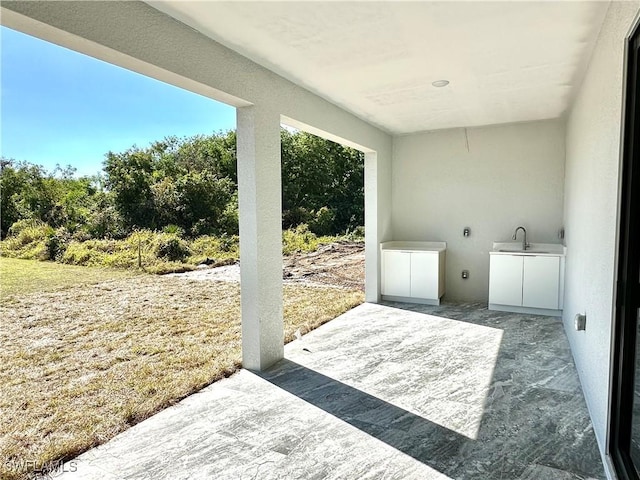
column 505, row 279
column 540, row 282
column 424, row 275
column 396, row 268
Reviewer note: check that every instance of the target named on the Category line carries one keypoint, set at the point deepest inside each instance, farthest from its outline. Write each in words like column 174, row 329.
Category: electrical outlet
column 465, row 274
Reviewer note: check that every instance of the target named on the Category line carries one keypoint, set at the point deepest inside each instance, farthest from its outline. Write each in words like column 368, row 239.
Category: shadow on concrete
column 426, row 441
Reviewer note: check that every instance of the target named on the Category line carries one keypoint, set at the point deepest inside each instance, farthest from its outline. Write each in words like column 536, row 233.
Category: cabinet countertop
column 414, row 246
column 535, row 249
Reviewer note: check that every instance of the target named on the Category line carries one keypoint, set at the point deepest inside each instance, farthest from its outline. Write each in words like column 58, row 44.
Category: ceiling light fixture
column 440, row 83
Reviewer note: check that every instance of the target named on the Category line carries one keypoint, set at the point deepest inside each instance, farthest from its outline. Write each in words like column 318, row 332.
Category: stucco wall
column 490, row 179
column 591, row 198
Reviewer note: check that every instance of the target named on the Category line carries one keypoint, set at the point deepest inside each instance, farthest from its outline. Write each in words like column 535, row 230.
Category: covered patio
column 472, row 116
column 384, row 391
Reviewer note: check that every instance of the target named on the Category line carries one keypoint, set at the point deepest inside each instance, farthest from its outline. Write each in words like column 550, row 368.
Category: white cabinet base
column 527, row 281
column 534, row 311
column 413, row 271
column 423, row 301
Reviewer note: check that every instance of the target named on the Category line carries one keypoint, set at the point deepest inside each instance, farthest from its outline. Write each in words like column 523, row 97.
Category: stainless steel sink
column 521, row 251
column 534, row 248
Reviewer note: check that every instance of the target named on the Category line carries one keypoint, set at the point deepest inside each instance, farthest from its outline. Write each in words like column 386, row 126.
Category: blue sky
column 62, row 107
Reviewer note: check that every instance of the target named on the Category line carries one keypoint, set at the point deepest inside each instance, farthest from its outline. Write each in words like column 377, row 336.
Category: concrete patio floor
column 391, row 391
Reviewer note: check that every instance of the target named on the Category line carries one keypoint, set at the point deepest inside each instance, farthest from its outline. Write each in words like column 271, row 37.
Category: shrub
column 355, row 235
column 78, row 253
column 81, row 235
column 229, row 220
column 228, row 243
column 57, row 243
column 29, row 230
column 155, row 252
column 27, row 239
column 172, row 248
column 223, row 248
column 105, row 222
column 322, row 222
column 296, row 216
column 200, row 228
column 173, row 229
column 299, row 239
column 100, row 253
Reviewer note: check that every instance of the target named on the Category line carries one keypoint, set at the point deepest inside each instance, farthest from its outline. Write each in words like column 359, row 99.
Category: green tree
column 322, row 183
column 190, row 183
column 56, row 198
column 12, row 182
column 129, row 176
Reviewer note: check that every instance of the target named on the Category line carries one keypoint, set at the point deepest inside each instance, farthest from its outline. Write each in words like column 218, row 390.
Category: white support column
column 260, row 205
column 371, row 234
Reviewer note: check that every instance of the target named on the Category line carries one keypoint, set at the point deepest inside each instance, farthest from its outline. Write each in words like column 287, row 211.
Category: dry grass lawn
column 20, row 277
column 87, row 354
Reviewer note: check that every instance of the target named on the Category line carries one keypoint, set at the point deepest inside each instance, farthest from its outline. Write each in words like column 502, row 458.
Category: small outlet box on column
column 465, row 274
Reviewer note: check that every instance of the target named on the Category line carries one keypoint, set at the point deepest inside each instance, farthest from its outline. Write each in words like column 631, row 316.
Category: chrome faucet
column 525, row 245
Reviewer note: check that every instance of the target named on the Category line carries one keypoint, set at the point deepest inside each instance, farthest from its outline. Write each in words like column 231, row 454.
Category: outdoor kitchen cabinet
column 413, row 271
column 526, row 282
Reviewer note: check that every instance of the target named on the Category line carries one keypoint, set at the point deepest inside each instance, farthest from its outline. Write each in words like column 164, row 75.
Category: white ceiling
column 506, row 61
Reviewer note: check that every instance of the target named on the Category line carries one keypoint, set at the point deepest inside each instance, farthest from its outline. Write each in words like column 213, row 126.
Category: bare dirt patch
column 338, row 264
